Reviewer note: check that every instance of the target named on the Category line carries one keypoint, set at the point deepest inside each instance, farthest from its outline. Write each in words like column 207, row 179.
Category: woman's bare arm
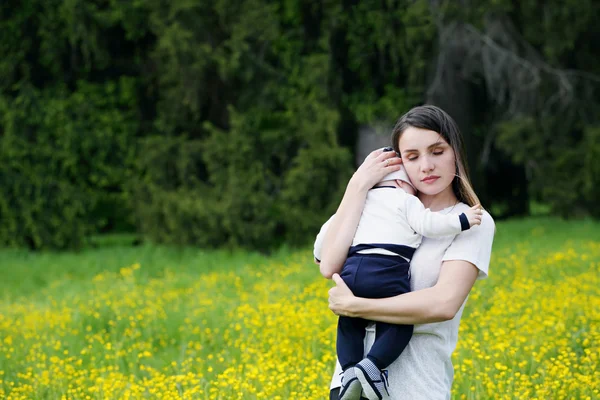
column 438, row 303
column 338, row 238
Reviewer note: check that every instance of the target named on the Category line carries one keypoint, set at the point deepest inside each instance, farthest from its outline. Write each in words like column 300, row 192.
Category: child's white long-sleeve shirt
column 392, row 216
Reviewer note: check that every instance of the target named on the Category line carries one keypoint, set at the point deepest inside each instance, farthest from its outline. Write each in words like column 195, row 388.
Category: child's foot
column 351, row 388
column 373, row 380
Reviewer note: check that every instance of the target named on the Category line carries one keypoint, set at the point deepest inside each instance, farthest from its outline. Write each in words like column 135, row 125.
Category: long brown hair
column 435, row 119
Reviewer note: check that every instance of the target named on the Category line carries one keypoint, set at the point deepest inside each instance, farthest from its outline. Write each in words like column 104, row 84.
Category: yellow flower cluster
column 535, row 330
column 263, row 331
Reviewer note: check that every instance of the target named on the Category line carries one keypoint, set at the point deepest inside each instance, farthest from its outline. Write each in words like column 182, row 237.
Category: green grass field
column 118, row 322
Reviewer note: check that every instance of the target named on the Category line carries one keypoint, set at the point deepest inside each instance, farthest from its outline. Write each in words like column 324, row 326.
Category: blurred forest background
column 236, row 123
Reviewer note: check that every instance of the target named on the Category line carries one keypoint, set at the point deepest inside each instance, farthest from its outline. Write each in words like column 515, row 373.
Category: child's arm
column 433, row 224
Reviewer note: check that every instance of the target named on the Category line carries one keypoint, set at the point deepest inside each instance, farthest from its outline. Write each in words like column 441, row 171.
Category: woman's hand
column 341, row 297
column 377, row 164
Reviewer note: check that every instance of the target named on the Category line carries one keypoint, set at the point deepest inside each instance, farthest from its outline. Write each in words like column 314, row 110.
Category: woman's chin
column 431, row 190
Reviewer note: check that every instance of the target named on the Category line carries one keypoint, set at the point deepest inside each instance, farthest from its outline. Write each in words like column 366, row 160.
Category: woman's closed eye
column 410, row 156
column 413, row 157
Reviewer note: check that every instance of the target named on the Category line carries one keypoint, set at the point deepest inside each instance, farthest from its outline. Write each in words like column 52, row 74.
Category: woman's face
column 428, row 159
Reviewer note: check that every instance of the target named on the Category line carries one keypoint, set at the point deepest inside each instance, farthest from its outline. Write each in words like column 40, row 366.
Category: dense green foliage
column 63, row 161
column 233, row 122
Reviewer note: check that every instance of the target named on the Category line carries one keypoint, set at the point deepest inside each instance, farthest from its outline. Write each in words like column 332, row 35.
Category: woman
column 443, row 270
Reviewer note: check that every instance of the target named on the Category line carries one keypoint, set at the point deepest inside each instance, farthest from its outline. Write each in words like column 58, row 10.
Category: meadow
column 153, row 322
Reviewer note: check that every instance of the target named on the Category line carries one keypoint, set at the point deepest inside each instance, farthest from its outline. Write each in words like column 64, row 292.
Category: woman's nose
column 426, row 164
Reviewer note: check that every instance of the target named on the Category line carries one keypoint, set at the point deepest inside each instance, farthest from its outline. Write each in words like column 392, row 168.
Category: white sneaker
column 374, row 382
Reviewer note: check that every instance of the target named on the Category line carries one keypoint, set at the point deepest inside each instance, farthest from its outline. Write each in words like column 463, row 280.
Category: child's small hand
column 474, row 215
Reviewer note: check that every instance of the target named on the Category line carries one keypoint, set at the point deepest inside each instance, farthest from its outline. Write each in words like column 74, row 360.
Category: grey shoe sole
column 352, row 390
column 368, row 389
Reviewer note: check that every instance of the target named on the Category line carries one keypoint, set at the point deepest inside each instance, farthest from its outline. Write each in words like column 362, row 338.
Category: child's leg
column 385, row 276
column 390, row 341
column 350, row 341
column 351, row 331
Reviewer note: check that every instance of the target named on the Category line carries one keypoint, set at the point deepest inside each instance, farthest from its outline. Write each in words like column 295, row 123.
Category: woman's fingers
column 339, row 295
column 386, row 154
column 339, row 282
column 389, row 159
column 374, row 154
column 391, row 164
column 377, row 165
column 381, row 155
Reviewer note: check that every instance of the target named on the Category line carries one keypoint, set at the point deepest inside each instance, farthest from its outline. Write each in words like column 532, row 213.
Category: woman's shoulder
column 475, row 244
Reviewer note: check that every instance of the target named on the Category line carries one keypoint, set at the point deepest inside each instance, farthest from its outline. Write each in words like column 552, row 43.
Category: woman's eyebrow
column 438, row 144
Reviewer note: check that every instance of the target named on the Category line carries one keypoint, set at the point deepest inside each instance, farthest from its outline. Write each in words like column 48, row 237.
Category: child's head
column 401, row 180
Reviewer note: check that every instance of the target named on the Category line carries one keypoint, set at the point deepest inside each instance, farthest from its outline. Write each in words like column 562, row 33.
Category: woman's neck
column 437, row 202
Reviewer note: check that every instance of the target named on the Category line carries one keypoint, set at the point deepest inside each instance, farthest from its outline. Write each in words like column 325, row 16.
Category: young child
column 391, row 227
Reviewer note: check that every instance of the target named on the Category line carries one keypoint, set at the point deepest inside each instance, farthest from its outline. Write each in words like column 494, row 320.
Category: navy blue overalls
column 374, row 276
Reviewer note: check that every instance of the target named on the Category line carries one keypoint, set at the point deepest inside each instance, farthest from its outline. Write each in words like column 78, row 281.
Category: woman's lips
column 430, row 179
